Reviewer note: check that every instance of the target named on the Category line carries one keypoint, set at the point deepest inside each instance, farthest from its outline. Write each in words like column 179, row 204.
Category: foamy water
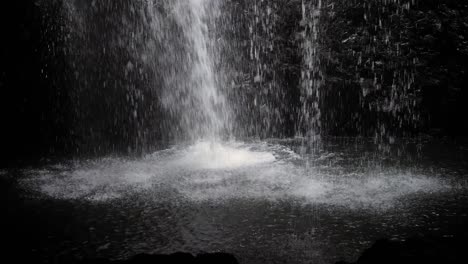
column 213, row 155
column 218, row 172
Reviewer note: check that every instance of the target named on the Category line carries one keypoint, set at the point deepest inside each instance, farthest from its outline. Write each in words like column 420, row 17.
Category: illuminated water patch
column 214, row 155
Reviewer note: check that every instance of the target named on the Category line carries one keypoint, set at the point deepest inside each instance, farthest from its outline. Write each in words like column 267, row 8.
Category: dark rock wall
column 33, row 100
column 387, row 67
column 418, row 46
column 264, row 59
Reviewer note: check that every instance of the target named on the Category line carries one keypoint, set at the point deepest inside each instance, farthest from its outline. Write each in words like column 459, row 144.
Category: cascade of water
column 167, row 63
column 202, row 107
column 161, row 78
column 311, row 74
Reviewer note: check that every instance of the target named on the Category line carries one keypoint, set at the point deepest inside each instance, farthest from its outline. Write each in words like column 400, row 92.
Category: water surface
column 274, row 201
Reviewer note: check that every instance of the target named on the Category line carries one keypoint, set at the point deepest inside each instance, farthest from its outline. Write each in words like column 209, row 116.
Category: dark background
column 32, row 97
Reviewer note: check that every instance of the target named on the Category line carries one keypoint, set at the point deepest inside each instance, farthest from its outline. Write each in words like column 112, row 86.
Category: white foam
column 219, row 172
column 213, row 155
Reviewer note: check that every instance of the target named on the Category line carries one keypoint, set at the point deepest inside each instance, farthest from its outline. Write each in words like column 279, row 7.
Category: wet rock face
column 394, row 65
column 416, row 250
column 379, row 68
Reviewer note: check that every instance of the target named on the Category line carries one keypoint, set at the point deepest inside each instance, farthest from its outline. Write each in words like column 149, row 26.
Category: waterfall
column 203, row 109
column 160, row 78
column 151, row 71
column 311, row 74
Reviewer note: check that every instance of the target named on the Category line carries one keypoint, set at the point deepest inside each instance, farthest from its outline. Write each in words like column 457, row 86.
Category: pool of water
column 273, row 201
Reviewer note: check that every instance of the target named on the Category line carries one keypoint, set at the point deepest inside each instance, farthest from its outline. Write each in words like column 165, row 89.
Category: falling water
column 202, row 107
column 161, row 79
column 311, row 74
column 198, row 69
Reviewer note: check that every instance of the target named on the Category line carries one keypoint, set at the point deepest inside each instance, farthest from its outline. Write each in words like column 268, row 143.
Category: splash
column 219, row 172
column 214, row 155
